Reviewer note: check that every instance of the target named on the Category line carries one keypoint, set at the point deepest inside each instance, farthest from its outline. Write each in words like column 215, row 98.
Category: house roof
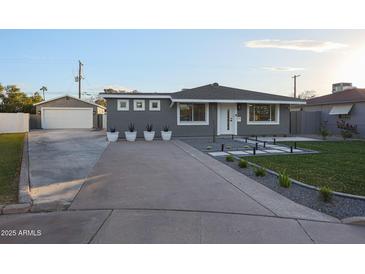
column 217, row 92
column 213, row 93
column 56, row 98
column 340, row 97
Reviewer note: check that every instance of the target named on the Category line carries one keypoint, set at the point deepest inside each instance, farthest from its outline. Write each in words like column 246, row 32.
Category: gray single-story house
column 347, row 105
column 67, row 112
column 201, row 111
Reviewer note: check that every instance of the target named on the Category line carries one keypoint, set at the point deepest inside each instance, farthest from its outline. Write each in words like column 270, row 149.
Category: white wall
column 14, row 122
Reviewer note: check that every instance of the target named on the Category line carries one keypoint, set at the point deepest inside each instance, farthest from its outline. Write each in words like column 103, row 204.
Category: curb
column 16, row 208
column 35, row 207
column 358, row 220
column 24, row 182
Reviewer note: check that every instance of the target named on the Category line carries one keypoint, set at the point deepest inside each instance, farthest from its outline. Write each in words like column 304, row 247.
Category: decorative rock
column 16, row 208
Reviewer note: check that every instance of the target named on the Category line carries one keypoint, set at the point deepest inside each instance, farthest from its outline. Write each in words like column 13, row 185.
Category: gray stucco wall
column 121, row 119
column 357, row 117
column 70, row 102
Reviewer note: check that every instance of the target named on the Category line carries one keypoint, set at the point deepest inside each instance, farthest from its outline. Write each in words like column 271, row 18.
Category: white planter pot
column 112, row 136
column 166, row 135
column 130, row 136
column 149, row 135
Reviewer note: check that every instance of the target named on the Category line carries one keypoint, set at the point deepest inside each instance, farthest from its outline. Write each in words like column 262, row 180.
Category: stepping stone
column 218, row 153
column 238, row 152
column 274, row 151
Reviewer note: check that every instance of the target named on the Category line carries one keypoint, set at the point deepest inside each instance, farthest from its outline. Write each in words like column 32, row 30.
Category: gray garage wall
column 357, row 117
column 168, row 115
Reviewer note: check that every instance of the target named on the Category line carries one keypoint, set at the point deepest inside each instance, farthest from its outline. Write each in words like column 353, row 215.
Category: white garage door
column 57, row 118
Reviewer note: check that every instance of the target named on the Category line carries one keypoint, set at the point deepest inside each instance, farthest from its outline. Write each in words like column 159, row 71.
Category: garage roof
column 53, row 99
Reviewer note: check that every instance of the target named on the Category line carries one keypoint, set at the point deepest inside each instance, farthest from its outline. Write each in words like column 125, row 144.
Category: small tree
column 308, row 94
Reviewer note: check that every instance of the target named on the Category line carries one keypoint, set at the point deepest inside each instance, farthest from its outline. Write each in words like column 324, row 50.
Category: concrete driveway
column 60, row 160
column 169, row 192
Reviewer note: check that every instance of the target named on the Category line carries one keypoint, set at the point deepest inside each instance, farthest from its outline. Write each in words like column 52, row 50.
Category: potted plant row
column 131, row 133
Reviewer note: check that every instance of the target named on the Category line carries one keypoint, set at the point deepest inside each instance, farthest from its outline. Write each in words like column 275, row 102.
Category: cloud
column 282, row 69
column 308, row 45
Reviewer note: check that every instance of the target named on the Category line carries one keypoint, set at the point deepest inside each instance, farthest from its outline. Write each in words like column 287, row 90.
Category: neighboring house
column 202, row 111
column 347, row 105
column 68, row 112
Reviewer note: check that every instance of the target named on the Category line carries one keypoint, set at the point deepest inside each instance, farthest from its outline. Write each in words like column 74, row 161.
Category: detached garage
column 68, row 112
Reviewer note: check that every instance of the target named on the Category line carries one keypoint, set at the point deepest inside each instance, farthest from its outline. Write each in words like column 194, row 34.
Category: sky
column 170, row 60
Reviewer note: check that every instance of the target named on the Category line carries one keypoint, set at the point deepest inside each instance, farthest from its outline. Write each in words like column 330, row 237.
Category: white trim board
column 238, row 101
column 132, row 96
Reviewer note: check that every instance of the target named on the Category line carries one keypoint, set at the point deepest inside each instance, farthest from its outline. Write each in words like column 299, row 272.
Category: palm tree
column 43, row 89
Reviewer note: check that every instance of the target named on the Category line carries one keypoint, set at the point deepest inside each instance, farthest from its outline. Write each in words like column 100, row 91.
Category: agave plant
column 149, row 127
column 166, row 128
column 131, row 127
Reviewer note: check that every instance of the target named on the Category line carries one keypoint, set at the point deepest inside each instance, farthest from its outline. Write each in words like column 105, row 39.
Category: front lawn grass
column 339, row 165
column 11, row 149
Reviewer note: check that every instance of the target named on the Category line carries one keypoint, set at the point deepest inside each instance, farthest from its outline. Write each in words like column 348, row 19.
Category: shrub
column 260, row 172
column 112, row 129
column 284, row 180
column 324, row 131
column 131, row 127
column 326, row 193
column 229, row 158
column 243, row 163
column 346, row 134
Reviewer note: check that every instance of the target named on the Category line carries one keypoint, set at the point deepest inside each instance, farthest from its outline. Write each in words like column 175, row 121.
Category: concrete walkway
column 60, row 160
column 169, row 192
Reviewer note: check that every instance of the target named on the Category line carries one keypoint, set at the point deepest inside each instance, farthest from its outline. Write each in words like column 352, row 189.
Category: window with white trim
column 155, row 105
column 264, row 114
column 192, row 114
column 138, row 105
column 123, row 105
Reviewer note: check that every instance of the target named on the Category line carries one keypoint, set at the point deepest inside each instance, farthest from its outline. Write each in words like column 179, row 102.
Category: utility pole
column 295, row 85
column 79, row 77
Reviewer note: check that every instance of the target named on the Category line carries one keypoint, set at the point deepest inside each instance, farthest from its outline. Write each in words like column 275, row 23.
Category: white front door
column 227, row 119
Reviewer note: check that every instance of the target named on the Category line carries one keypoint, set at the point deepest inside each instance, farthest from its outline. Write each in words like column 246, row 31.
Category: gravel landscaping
column 340, row 207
